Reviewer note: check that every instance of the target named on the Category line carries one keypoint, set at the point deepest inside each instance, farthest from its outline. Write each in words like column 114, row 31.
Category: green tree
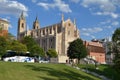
column 116, row 48
column 37, row 50
column 16, row 46
column 3, row 45
column 10, row 37
column 52, row 53
column 77, row 50
column 32, row 46
column 116, row 35
column 29, row 42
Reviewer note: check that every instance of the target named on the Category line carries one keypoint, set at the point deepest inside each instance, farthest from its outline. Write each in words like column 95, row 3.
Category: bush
column 117, row 65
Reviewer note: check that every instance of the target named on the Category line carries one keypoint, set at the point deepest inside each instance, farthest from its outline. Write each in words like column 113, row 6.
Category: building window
column 50, row 31
column 43, row 32
column 59, row 29
column 37, row 33
column 51, row 40
column 22, row 25
column 47, row 31
column 69, row 24
column 54, row 28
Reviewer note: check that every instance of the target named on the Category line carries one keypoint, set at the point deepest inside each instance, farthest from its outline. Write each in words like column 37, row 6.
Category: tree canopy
column 77, row 50
column 29, row 42
column 3, row 45
column 32, row 46
column 116, row 35
column 116, row 48
column 52, row 53
column 16, row 46
column 36, row 50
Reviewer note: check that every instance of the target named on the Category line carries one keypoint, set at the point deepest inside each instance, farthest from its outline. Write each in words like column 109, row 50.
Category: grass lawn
column 39, row 71
column 105, row 70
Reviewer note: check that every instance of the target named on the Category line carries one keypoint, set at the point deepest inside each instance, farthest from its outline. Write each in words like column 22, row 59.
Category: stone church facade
column 56, row 36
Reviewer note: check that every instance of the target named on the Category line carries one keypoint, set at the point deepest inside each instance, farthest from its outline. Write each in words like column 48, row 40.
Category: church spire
column 62, row 17
column 36, row 20
column 74, row 22
column 36, row 24
column 22, row 15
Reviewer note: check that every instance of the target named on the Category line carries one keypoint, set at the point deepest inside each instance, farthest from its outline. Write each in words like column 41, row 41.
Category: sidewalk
column 89, row 72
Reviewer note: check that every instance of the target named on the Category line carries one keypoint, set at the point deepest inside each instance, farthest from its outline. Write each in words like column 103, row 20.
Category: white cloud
column 104, row 5
column 91, row 30
column 115, row 23
column 75, row 1
column 101, row 7
column 88, row 34
column 85, row 34
column 105, row 22
column 10, row 26
column 108, row 27
column 12, row 7
column 44, row 5
column 5, row 19
column 34, row 1
column 113, row 15
column 116, row 2
column 92, row 36
column 61, row 5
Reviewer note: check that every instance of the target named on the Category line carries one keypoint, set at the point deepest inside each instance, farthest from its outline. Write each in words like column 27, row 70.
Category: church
column 56, row 36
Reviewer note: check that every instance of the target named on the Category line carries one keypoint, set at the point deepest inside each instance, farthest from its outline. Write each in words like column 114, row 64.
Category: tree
column 17, row 46
column 116, row 35
column 77, row 50
column 52, row 53
column 29, row 42
column 10, row 37
column 3, row 45
column 37, row 50
column 116, row 48
column 33, row 47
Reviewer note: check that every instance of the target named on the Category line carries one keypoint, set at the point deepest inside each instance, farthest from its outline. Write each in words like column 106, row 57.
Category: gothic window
column 59, row 29
column 43, row 32
column 37, row 33
column 40, row 32
column 47, row 31
column 54, row 28
column 51, row 40
column 69, row 24
column 50, row 31
column 22, row 25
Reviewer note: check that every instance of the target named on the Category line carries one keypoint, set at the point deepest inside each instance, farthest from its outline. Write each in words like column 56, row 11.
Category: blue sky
column 94, row 18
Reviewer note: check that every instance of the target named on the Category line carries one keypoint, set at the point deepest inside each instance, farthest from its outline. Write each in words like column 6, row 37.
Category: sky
column 95, row 19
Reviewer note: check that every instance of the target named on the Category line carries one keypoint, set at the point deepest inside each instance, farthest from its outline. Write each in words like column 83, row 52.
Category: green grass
column 37, row 71
column 105, row 70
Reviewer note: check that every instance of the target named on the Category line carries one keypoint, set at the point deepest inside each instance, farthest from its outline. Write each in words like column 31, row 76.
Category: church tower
column 21, row 26
column 36, row 24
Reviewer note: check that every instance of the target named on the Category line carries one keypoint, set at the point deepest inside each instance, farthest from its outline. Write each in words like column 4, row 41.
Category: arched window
column 50, row 31
column 22, row 25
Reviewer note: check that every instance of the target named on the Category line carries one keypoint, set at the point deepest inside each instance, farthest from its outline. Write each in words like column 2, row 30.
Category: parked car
column 43, row 61
column 19, row 59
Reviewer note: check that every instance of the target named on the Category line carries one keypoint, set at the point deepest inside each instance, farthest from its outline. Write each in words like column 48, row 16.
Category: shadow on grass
column 111, row 73
column 107, row 71
column 64, row 74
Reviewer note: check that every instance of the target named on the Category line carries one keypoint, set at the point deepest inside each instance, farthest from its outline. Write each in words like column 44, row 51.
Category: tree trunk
column 78, row 60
